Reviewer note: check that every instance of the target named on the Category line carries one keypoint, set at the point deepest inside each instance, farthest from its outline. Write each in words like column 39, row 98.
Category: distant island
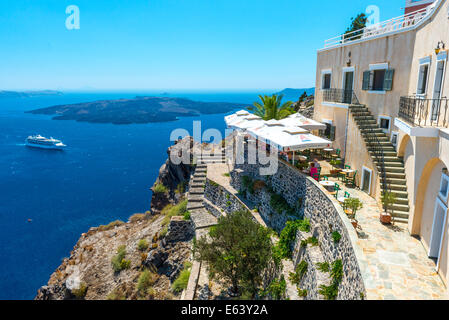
column 137, row 110
column 294, row 94
column 29, row 94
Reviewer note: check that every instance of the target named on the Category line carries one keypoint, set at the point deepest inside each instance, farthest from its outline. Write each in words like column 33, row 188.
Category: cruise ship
column 44, row 143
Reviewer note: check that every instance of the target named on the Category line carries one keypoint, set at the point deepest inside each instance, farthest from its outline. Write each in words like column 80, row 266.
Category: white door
column 439, row 221
column 437, row 90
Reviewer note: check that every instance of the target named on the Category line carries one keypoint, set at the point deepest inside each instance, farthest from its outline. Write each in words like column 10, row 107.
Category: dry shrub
column 258, row 185
column 111, row 225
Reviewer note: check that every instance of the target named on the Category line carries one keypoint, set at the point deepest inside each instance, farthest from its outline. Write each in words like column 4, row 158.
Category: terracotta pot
column 354, row 224
column 385, row 218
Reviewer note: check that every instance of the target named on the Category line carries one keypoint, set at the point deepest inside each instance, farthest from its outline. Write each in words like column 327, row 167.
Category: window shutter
column 332, row 134
column 421, row 80
column 366, row 80
column 388, row 80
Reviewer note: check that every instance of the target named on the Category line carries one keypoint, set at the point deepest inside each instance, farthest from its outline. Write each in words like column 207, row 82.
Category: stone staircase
column 392, row 166
column 195, row 200
column 208, row 156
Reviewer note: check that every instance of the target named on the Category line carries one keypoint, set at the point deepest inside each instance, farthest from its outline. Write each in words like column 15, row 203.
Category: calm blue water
column 104, row 175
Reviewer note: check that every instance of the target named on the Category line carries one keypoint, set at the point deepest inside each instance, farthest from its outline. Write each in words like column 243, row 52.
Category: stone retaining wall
column 325, row 215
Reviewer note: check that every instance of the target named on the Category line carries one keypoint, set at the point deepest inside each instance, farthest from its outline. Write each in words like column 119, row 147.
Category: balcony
column 422, row 112
column 339, row 96
column 403, row 23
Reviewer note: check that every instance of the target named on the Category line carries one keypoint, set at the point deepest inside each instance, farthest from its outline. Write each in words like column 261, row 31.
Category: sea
column 48, row 198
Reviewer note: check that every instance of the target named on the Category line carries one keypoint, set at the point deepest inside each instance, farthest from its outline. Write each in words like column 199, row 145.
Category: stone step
column 397, row 187
column 194, row 185
column 194, row 198
column 196, row 191
column 393, row 169
column 388, row 164
column 385, row 153
column 400, row 182
column 383, row 147
column 402, row 201
column 400, row 208
column 202, row 218
column 400, row 194
column 200, row 175
column 394, row 175
column 194, row 205
column 400, row 220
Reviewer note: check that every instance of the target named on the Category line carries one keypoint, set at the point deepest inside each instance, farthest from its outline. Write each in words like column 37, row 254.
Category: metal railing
column 423, row 112
column 339, row 96
column 401, row 23
column 373, row 142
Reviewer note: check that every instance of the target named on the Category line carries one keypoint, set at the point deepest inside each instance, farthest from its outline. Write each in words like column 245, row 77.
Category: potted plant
column 388, row 200
column 335, row 163
column 355, row 205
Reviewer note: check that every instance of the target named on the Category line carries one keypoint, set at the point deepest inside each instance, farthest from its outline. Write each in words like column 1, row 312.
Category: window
column 378, row 78
column 444, row 188
column 326, row 79
column 384, row 123
column 423, row 79
column 394, row 139
column 366, row 179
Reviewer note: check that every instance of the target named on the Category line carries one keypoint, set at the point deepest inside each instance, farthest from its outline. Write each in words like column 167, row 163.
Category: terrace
column 423, row 112
column 400, row 24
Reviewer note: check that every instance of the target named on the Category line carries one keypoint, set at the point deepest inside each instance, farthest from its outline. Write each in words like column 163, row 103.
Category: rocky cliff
column 138, row 259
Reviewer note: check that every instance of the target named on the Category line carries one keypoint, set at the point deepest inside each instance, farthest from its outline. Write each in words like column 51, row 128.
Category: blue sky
column 170, row 44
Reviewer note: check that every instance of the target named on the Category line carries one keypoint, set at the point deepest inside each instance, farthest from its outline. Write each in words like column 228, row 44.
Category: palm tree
column 272, row 107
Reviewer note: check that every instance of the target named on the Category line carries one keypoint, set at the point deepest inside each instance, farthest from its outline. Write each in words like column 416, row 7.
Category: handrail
column 339, row 96
column 373, row 141
column 401, row 23
column 423, row 112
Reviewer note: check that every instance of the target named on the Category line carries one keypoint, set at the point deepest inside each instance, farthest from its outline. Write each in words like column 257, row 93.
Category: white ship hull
column 41, row 146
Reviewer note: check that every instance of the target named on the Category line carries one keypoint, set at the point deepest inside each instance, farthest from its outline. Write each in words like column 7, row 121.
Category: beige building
column 382, row 93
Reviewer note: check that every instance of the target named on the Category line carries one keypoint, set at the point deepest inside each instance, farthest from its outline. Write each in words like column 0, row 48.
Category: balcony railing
column 340, row 96
column 402, row 23
column 424, row 112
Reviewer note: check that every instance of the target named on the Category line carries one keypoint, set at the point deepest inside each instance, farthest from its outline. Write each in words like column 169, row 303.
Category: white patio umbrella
column 303, row 122
column 243, row 120
column 288, row 139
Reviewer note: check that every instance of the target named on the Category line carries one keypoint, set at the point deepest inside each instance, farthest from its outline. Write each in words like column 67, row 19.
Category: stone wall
column 222, row 198
column 179, row 230
column 309, row 200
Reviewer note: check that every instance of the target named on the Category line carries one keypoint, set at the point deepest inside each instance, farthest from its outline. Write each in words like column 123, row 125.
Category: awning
column 303, row 122
column 243, row 120
column 289, row 138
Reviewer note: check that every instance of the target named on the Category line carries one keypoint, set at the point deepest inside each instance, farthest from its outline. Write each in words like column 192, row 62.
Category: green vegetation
column 323, row 266
column 160, row 188
column 111, row 225
column 247, row 184
column 187, row 215
column 116, row 294
column 183, row 279
column 357, row 24
column 172, row 211
column 145, row 281
column 181, row 187
column 311, row 240
column 300, row 271
column 279, row 204
column 336, row 272
column 80, row 293
column 276, row 289
column 226, row 174
column 354, row 204
column 336, row 236
column 388, row 200
column 238, row 251
column 142, row 245
column 288, row 235
column 119, row 262
column 272, row 107
column 302, row 293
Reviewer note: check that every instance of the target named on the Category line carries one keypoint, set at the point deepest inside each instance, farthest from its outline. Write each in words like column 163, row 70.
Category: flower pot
column 385, row 218
column 354, row 224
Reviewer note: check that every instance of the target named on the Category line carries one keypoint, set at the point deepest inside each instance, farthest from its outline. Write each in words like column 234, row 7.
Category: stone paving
column 399, row 268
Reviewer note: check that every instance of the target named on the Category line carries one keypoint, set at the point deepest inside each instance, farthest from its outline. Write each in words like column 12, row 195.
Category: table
column 328, row 184
column 348, row 171
column 328, row 152
column 301, row 158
